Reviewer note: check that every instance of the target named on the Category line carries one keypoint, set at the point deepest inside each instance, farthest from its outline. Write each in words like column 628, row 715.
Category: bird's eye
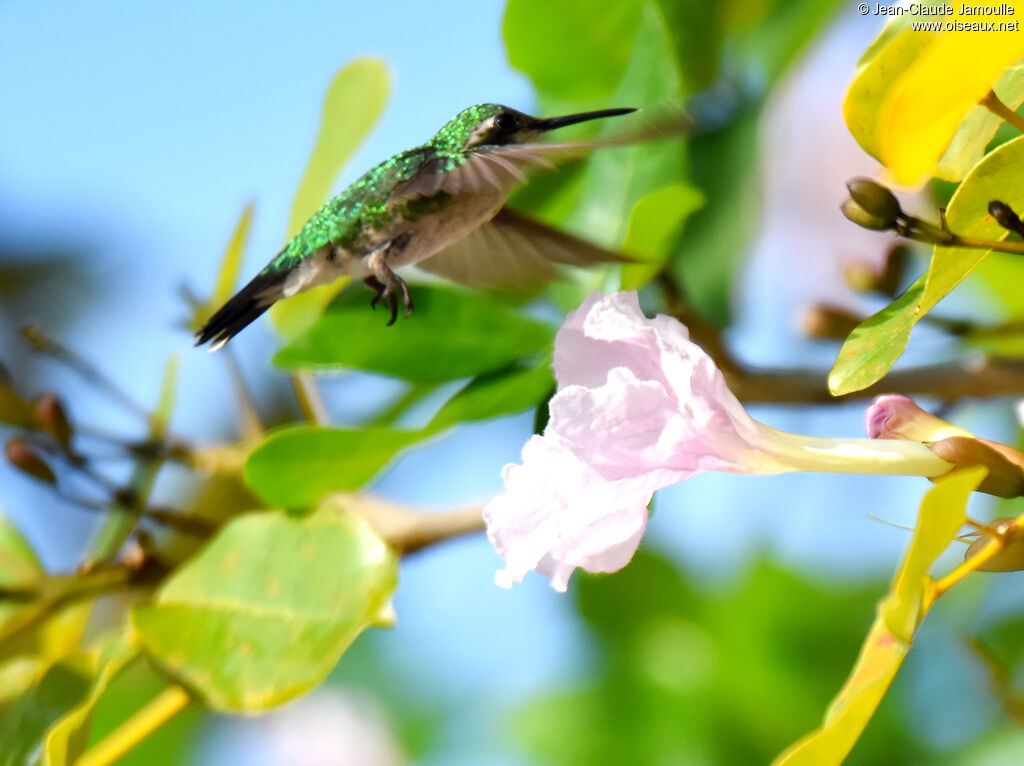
column 505, row 122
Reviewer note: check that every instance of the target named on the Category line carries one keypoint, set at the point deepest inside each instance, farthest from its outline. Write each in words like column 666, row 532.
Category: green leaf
column 570, row 51
column 18, row 563
column 297, row 466
column 979, row 127
column 942, row 513
column 19, row 568
column 655, row 223
column 496, row 393
column 65, row 740
column 62, row 687
column 230, row 265
column 615, row 180
column 997, row 177
column 453, row 334
column 265, row 610
column 354, row 102
column 878, row 342
column 875, row 344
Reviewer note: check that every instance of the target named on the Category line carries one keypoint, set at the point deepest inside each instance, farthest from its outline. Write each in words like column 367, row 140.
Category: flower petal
column 558, row 514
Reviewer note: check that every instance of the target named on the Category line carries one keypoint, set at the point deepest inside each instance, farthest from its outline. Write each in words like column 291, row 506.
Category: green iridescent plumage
column 365, row 203
column 428, row 206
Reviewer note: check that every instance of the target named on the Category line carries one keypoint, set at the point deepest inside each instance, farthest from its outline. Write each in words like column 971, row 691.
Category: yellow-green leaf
column 971, row 139
column 66, row 738
column 997, row 177
column 355, row 100
column 942, row 513
column 230, row 265
column 875, row 344
column 265, row 610
column 655, row 223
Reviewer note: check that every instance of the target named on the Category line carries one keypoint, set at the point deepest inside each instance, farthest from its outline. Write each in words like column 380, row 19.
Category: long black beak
column 551, row 123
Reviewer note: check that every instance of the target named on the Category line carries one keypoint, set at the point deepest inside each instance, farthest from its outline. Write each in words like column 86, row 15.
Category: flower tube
column 639, row 407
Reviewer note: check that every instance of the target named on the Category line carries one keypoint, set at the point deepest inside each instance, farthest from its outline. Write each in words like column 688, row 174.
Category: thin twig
column 46, row 345
column 310, row 400
column 138, row 727
column 406, row 529
column 249, row 424
column 994, row 104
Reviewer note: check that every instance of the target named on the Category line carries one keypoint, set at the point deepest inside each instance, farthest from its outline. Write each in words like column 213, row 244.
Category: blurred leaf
column 297, row 466
column 503, row 392
column 263, row 613
column 918, row 119
column 14, row 410
column 127, row 693
column 453, row 334
column 62, row 687
column 66, row 738
column 714, row 672
column 17, row 674
column 655, row 223
column 569, row 50
column 969, row 142
column 354, row 102
column 876, row 343
column 19, row 568
column 230, row 265
column 616, row 179
column 697, row 31
column 1002, row 273
column 943, row 512
column 724, row 167
column 879, row 341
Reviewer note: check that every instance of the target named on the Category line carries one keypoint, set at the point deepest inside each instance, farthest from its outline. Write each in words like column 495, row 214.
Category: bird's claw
column 385, row 293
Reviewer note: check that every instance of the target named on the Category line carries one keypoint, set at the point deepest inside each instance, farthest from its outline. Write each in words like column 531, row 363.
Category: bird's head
column 497, row 125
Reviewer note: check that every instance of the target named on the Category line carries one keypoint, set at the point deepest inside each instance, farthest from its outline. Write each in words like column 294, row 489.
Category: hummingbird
column 440, row 206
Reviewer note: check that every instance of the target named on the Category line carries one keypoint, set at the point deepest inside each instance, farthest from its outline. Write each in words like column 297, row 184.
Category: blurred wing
column 495, row 167
column 514, row 251
column 503, row 166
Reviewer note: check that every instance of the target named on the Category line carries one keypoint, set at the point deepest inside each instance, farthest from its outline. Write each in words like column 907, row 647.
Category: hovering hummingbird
column 441, row 206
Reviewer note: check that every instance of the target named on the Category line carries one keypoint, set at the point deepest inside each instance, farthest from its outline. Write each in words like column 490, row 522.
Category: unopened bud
column 824, row 321
column 49, row 415
column 1005, row 216
column 1010, row 558
column 875, row 200
column 20, row 455
column 861, row 217
column 894, row 416
column 1005, row 465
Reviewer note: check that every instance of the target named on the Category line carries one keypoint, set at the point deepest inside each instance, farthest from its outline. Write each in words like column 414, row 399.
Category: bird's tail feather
column 243, row 308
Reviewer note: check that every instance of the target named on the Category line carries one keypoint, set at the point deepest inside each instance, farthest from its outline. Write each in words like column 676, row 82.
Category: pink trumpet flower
column 639, row 407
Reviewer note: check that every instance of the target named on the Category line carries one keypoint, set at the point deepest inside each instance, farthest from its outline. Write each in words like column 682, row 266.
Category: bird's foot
column 386, row 293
